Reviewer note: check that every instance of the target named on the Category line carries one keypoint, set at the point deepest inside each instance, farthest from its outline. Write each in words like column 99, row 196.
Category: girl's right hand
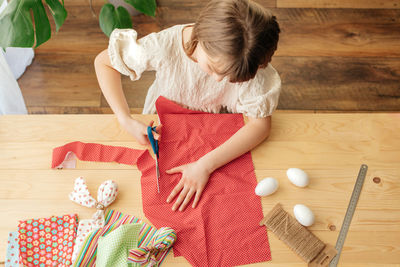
column 139, row 130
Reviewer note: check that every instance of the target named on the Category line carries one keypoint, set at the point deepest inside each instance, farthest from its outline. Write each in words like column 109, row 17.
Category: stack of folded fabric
column 108, row 239
column 124, row 240
column 152, row 245
column 117, row 239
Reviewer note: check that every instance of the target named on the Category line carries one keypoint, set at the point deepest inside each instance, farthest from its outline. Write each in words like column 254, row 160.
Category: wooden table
column 329, row 147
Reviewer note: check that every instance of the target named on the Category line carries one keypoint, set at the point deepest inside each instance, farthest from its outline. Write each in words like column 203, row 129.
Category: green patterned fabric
column 113, row 249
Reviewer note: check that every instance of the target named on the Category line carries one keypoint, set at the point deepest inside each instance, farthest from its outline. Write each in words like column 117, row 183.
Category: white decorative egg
column 297, row 176
column 303, row 215
column 266, row 187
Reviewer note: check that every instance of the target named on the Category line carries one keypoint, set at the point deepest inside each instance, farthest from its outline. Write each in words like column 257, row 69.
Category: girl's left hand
column 194, row 179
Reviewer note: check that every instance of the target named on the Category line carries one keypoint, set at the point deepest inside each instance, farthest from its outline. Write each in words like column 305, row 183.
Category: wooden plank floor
column 333, row 55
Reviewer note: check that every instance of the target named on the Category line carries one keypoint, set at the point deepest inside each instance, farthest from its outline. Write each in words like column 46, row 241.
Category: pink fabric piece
column 223, row 230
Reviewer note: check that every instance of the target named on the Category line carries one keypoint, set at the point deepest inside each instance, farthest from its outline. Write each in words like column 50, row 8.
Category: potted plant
column 18, row 30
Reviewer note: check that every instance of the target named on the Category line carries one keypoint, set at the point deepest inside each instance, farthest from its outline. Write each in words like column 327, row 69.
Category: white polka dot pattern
column 223, row 230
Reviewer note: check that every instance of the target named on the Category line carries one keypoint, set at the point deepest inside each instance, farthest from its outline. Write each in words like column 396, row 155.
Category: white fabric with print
column 106, row 194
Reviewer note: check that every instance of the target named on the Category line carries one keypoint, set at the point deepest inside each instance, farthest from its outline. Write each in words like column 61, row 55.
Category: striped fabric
column 114, row 219
column 162, row 239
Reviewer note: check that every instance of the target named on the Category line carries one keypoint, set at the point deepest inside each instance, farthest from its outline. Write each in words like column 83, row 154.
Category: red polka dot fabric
column 97, row 153
column 223, row 229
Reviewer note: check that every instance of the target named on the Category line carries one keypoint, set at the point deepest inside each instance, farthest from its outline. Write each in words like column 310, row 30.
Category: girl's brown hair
column 240, row 33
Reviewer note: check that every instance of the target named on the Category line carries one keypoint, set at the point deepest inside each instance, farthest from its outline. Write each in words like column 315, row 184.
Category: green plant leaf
column 111, row 18
column 42, row 24
column 147, row 7
column 1, row 2
column 58, row 11
column 17, row 28
column 12, row 22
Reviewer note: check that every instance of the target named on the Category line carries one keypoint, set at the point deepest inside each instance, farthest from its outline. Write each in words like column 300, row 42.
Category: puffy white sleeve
column 260, row 96
column 132, row 57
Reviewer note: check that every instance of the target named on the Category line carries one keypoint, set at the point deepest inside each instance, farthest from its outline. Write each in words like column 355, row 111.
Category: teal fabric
column 113, row 249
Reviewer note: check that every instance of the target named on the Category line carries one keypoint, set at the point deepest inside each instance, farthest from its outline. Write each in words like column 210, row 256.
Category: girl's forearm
column 248, row 137
column 110, row 84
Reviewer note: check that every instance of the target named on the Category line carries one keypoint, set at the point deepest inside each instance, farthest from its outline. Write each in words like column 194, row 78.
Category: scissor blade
column 158, row 175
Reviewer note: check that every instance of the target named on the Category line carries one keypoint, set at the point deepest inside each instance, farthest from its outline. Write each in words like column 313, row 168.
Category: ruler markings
column 349, row 213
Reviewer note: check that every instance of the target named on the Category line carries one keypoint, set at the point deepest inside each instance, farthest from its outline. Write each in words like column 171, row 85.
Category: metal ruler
column 349, row 213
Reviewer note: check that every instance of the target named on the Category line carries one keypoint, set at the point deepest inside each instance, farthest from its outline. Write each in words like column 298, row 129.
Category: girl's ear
column 265, row 64
column 268, row 59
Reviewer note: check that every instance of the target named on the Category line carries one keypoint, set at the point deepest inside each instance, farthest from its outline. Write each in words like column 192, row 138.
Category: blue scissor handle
column 153, row 142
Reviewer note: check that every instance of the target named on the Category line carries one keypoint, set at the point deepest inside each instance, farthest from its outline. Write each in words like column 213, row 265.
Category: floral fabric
column 47, row 241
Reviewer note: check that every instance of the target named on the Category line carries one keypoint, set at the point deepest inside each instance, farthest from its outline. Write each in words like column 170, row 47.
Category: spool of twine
column 293, row 234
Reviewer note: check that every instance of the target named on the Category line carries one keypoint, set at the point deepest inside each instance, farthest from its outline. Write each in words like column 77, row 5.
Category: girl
column 220, row 63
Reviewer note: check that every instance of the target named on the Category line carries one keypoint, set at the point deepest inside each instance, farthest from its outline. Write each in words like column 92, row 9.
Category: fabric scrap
column 65, row 156
column 106, row 194
column 113, row 249
column 114, row 219
column 12, row 256
column 163, row 239
column 47, row 241
column 85, row 227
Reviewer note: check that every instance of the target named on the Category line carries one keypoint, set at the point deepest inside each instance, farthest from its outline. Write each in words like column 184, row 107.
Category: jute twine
column 293, row 234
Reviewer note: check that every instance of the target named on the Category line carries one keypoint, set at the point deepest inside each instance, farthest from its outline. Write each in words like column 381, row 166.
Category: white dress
column 180, row 79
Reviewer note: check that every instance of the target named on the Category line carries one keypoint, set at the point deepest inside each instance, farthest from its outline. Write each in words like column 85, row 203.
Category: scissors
column 154, row 145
